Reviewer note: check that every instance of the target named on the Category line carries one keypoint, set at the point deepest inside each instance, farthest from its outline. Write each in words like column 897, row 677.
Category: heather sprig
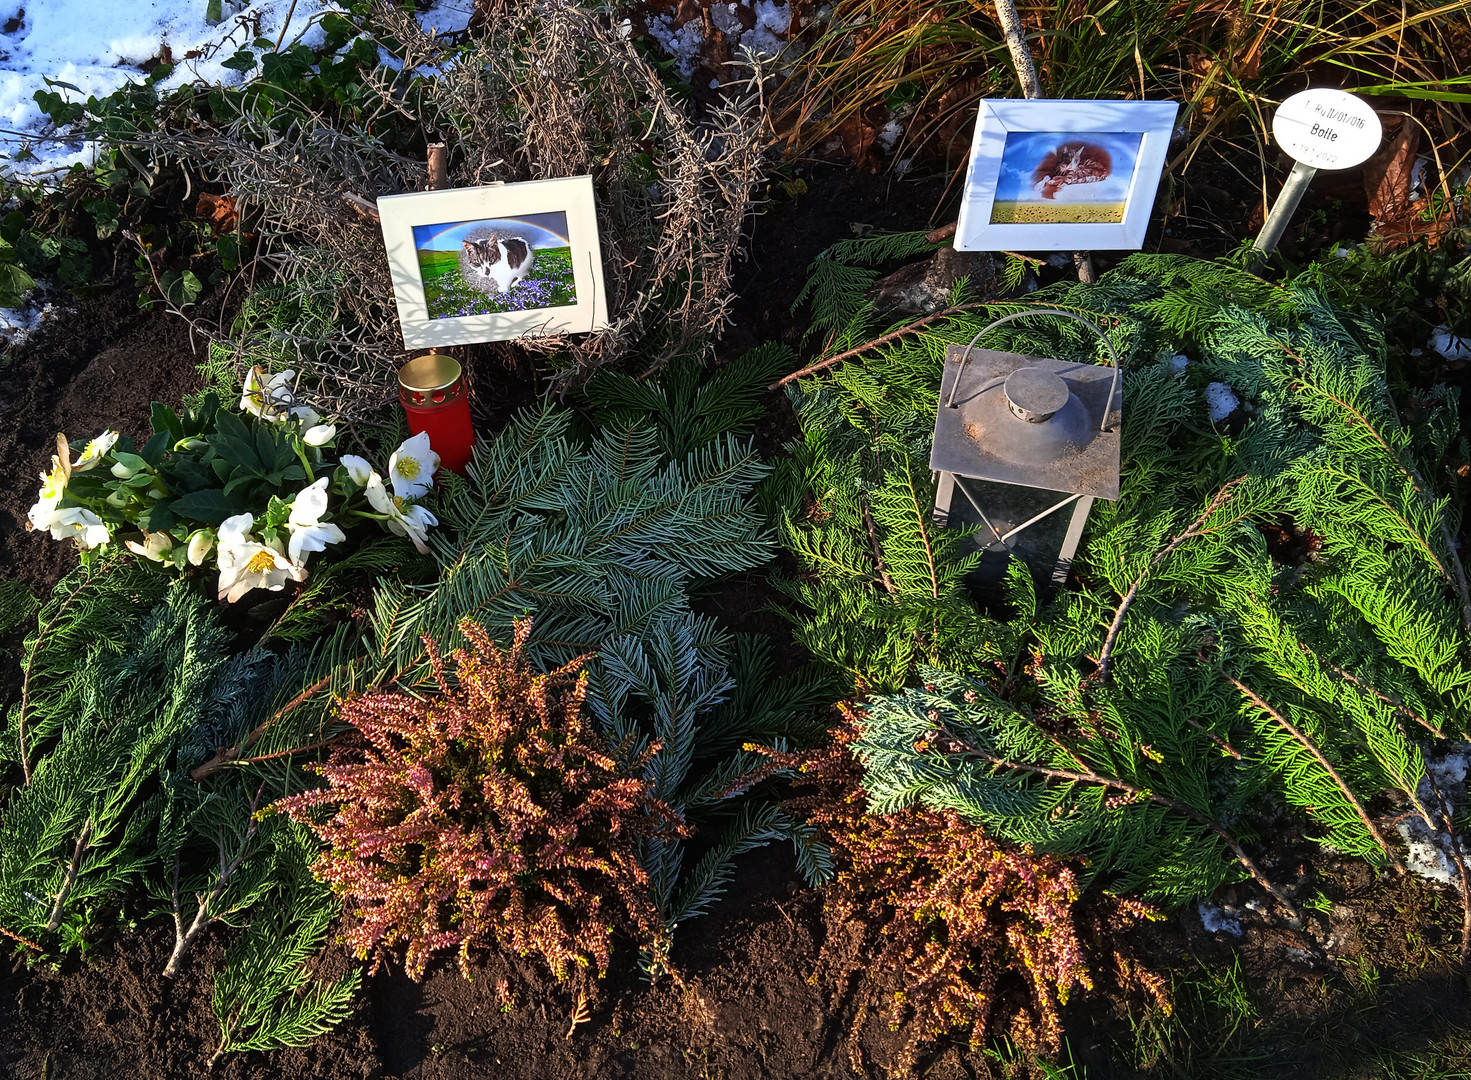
column 488, row 813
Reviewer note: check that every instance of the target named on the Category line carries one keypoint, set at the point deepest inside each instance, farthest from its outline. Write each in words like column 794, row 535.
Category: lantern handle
column 1114, row 356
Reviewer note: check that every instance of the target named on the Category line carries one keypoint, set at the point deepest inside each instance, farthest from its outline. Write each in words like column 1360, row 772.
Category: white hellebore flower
column 359, row 470
column 247, row 564
column 81, row 525
column 404, row 518
column 94, row 450
column 319, row 435
column 308, row 531
column 199, row 546
column 411, row 468
column 272, row 399
column 155, row 546
column 53, row 487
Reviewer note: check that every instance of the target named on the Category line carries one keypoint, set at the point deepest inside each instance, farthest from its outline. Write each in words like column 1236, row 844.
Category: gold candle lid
column 433, row 371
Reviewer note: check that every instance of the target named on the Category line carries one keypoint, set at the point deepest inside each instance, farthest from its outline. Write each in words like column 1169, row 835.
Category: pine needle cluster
column 491, row 812
column 953, row 916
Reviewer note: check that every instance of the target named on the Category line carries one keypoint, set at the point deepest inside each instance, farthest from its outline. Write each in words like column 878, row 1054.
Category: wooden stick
column 438, row 168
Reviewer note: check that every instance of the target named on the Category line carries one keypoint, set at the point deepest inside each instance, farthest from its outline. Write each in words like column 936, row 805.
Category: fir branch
column 1390, row 855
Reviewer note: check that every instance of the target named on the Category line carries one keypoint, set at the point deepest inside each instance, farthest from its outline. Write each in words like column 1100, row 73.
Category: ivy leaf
column 242, row 61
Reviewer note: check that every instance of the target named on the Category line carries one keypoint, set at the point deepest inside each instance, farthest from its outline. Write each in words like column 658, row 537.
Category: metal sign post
column 1318, row 129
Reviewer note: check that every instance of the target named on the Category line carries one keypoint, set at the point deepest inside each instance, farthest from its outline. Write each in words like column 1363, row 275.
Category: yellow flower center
column 402, row 504
column 408, row 467
column 262, row 562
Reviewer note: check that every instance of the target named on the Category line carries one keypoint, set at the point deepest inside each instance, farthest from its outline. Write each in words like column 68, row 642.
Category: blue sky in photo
column 542, row 230
column 1025, row 150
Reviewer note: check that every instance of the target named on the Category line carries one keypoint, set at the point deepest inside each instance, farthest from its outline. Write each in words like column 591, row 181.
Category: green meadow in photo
column 447, row 296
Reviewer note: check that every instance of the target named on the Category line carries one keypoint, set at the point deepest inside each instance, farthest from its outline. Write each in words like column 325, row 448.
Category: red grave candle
column 432, row 391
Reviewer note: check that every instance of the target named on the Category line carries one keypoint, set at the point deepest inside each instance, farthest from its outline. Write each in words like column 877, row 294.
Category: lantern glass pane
column 1007, row 506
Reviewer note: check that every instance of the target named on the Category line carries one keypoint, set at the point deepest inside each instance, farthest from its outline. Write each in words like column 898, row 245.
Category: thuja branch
column 1456, row 572
column 892, row 335
column 54, row 920
column 202, row 917
column 1307, row 744
column 25, row 686
column 1197, row 528
column 955, row 744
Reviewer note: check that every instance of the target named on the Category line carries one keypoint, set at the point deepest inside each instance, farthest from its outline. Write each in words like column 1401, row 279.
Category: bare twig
column 892, row 335
column 878, row 555
column 365, row 207
column 1307, row 744
column 233, row 754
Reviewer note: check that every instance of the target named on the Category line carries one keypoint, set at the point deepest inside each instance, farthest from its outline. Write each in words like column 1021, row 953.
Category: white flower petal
column 199, row 546
column 320, row 435
column 94, row 451
column 411, row 468
column 358, row 469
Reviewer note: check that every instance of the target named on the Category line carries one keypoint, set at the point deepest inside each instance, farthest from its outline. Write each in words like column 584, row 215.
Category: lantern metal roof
column 1029, row 420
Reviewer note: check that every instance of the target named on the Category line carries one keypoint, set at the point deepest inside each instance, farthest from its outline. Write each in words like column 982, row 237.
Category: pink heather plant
column 491, row 813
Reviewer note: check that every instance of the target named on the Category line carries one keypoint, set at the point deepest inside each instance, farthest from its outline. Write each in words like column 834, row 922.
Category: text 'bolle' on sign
column 1327, row 129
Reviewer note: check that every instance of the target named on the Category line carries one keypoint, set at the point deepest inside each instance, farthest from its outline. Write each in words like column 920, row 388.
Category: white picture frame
column 432, row 236
column 1011, row 201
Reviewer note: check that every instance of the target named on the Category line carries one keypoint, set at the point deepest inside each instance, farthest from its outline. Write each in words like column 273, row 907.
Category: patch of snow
column 772, row 20
column 1060, row 259
column 1449, row 345
column 889, row 134
column 449, row 16
column 1417, row 178
column 17, row 324
column 1220, row 401
column 681, row 42
column 903, row 166
column 100, row 47
column 1444, row 781
column 1216, row 920
column 1178, row 363
column 725, row 19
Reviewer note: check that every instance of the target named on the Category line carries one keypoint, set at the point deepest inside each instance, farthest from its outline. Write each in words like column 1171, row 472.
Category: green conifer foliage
column 1204, row 668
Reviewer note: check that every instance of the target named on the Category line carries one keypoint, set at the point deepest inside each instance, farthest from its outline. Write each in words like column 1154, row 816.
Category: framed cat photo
column 1063, row 175
column 495, row 263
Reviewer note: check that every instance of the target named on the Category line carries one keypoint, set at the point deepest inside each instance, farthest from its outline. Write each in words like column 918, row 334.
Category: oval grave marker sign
column 1327, row 129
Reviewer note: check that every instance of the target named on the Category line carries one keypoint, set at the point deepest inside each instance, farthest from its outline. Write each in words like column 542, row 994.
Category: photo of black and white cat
column 495, row 265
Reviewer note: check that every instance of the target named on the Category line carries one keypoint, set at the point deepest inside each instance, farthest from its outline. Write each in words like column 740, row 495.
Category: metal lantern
column 432, row 391
column 1014, row 433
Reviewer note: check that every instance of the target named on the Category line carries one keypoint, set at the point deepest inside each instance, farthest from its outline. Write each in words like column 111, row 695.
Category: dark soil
column 769, row 986
column 98, row 367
